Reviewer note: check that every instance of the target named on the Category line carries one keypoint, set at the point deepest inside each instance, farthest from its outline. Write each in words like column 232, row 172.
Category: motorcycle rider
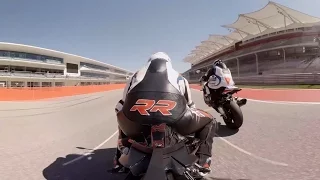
column 217, row 79
column 159, row 80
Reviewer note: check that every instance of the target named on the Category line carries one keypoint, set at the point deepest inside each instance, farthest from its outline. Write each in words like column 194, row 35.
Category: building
column 29, row 66
column 271, row 41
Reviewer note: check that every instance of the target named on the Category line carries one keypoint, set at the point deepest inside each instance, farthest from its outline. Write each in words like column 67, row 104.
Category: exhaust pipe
column 242, row 102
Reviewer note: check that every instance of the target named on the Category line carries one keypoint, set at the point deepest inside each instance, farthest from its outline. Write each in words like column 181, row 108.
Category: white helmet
column 160, row 55
column 220, row 64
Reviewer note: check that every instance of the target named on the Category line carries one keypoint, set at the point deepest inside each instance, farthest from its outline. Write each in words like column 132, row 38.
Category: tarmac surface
column 74, row 138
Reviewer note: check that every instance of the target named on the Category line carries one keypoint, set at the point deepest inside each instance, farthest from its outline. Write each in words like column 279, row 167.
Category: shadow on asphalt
column 224, row 131
column 96, row 165
column 92, row 167
column 84, row 169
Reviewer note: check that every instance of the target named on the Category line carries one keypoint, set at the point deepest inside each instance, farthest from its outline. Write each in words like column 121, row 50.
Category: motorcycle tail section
column 167, row 154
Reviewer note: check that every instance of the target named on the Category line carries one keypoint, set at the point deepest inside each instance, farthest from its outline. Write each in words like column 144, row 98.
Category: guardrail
column 274, row 79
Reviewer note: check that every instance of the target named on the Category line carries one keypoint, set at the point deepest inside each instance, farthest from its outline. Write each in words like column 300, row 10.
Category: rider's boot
column 205, row 163
column 214, row 106
column 208, row 103
column 207, row 99
column 117, row 166
column 218, row 109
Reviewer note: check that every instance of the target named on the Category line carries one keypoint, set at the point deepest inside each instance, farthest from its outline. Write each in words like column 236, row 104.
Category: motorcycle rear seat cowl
column 178, row 156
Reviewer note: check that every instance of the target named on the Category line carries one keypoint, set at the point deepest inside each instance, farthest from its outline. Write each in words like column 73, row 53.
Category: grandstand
column 29, row 66
column 273, row 45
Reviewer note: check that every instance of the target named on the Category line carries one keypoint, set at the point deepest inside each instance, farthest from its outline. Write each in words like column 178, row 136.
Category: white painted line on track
column 90, row 152
column 246, row 152
column 226, row 141
column 252, row 155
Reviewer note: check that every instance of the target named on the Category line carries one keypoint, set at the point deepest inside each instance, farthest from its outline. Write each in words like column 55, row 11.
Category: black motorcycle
column 229, row 107
column 164, row 155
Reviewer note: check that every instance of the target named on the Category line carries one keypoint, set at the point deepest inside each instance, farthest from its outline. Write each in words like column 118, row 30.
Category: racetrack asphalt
column 73, row 138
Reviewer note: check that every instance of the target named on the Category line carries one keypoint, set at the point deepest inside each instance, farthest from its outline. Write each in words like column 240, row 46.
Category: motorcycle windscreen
column 138, row 162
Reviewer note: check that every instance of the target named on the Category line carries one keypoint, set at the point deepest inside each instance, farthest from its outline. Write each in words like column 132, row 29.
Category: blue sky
column 126, row 33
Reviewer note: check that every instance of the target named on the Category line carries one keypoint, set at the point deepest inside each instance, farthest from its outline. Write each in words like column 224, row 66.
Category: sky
column 125, row 33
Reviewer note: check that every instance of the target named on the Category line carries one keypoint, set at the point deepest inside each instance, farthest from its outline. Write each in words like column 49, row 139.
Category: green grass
column 280, row 86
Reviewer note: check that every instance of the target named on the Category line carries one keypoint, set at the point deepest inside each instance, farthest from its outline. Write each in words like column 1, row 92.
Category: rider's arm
column 209, row 73
column 125, row 91
column 187, row 94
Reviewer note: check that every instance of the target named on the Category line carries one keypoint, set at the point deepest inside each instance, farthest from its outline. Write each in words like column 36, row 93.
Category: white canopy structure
column 273, row 17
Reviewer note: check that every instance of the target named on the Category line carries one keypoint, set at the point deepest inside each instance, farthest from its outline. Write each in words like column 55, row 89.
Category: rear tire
column 234, row 114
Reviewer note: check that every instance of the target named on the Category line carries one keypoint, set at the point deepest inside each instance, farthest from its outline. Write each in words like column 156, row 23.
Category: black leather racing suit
column 158, row 84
